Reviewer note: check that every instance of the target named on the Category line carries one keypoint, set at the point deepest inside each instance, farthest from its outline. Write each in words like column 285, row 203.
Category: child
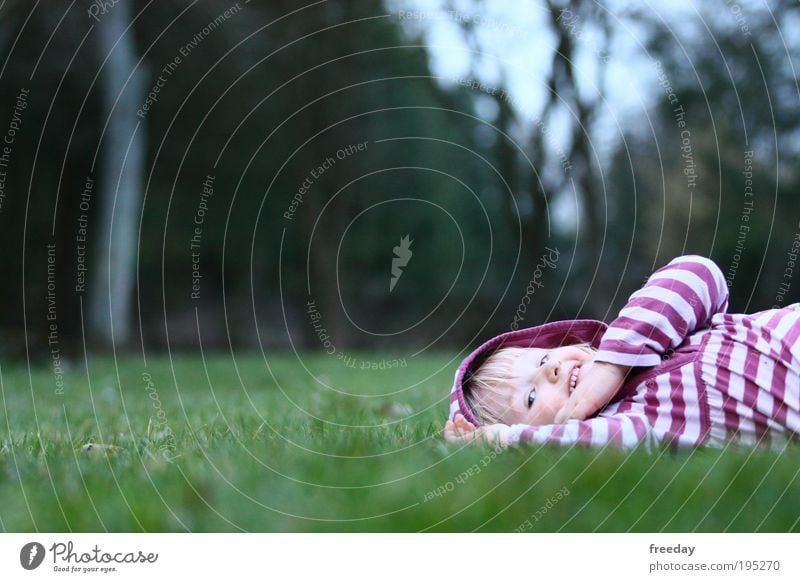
column 672, row 368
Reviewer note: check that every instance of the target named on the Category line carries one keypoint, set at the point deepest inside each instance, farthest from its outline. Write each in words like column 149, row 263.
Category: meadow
column 287, row 442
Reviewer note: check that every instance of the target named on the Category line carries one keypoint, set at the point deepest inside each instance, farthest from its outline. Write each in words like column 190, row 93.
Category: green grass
column 259, row 445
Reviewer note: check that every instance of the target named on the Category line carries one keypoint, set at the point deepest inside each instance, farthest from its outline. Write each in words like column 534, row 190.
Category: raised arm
column 677, row 300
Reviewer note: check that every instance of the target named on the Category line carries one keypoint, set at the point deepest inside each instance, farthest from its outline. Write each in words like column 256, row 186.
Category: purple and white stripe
column 714, row 377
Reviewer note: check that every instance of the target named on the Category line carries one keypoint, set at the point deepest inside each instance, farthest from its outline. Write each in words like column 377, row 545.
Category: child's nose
column 553, row 369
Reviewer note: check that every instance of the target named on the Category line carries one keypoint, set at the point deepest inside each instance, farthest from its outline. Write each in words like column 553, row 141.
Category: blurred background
column 399, row 176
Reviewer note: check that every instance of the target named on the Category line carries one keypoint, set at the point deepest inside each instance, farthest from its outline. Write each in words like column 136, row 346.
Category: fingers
column 572, row 413
column 463, row 424
column 576, row 408
column 591, row 394
column 601, row 382
column 450, row 432
column 582, row 407
column 460, row 430
column 584, row 410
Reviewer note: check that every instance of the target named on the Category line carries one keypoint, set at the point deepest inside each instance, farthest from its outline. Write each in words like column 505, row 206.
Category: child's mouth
column 573, row 378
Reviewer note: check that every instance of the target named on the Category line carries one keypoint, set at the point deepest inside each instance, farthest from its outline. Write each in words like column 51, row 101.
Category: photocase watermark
column 7, row 146
column 548, row 260
column 317, row 173
column 570, row 22
column 741, row 19
column 460, row 18
column 67, row 559
column 402, row 255
column 315, row 316
column 665, row 83
column 31, row 555
column 82, row 236
column 152, row 97
column 100, row 8
column 384, row 364
column 744, row 227
column 158, row 428
column 52, row 322
column 168, row 70
column 551, row 502
column 316, row 322
column 195, row 242
column 689, row 167
column 788, row 271
column 464, row 476
column 553, row 143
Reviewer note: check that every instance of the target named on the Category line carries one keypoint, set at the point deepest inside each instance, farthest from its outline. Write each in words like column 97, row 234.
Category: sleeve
column 677, row 300
column 625, row 430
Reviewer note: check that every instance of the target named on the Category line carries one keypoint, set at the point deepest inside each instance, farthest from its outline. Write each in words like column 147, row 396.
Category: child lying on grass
column 673, row 368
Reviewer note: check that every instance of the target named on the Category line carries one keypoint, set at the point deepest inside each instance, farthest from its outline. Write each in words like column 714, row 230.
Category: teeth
column 573, row 380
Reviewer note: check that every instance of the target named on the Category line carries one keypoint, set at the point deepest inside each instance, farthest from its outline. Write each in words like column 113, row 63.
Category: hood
column 549, row 335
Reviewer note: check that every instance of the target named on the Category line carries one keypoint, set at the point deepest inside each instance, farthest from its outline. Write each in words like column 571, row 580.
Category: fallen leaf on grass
column 97, row 449
column 396, row 410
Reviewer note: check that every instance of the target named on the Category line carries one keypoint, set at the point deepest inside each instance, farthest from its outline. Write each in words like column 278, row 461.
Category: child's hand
column 600, row 384
column 463, row 431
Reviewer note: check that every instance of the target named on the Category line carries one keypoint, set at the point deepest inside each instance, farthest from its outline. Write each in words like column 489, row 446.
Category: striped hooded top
column 700, row 376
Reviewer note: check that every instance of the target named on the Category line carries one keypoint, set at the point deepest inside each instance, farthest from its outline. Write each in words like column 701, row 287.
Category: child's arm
column 676, row 301
column 463, row 431
column 625, row 430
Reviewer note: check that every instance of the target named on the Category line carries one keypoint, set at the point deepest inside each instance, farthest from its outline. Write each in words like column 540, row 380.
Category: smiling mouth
column 573, row 378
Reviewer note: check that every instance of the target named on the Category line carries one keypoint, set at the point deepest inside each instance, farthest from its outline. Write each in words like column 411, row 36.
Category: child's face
column 540, row 384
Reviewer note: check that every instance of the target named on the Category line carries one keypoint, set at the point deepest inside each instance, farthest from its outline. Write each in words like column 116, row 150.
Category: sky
column 512, row 34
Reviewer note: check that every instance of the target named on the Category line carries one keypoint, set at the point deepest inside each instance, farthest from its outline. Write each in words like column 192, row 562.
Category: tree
column 544, row 174
column 120, row 190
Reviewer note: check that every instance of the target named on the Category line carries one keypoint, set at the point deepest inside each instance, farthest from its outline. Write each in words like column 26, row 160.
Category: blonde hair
column 488, row 380
column 494, row 373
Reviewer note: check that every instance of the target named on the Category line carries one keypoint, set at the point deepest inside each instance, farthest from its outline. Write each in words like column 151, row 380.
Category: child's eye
column 531, row 397
column 544, row 360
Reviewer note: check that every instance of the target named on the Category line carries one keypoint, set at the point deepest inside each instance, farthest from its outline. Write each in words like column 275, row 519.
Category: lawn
column 255, row 443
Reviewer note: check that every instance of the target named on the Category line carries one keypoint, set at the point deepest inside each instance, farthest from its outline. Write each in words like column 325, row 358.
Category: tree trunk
column 120, row 183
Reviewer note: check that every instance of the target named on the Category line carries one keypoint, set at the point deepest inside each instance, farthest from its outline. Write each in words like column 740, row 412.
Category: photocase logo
column 31, row 555
column 402, row 254
column 100, row 7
